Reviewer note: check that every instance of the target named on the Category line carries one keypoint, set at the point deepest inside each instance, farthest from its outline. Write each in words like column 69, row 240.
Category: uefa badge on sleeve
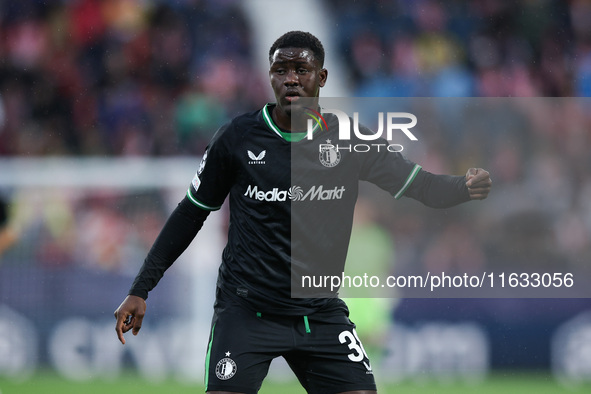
column 202, row 163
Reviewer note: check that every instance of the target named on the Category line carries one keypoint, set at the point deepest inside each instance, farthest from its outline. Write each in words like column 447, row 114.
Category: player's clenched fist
column 130, row 315
column 479, row 183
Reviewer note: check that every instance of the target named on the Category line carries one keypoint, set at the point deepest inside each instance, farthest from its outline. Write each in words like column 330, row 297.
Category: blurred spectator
column 196, row 115
column 370, row 254
column 7, row 234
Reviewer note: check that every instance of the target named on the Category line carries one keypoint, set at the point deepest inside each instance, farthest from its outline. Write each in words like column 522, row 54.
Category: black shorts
column 322, row 349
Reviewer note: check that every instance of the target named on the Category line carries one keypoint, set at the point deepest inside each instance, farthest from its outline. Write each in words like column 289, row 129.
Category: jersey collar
column 289, row 137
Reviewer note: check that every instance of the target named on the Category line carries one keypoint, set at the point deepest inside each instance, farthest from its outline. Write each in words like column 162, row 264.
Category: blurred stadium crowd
column 466, row 48
column 130, row 77
column 156, row 78
column 120, row 77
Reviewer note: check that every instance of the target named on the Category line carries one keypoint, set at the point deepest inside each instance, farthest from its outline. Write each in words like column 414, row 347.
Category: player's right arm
column 180, row 229
column 206, row 193
column 130, row 314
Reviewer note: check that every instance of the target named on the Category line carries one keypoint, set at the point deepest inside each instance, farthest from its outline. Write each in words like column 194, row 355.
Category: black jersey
column 291, row 205
column 291, row 209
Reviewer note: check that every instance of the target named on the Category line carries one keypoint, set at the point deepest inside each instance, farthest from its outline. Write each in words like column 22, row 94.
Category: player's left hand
column 479, row 183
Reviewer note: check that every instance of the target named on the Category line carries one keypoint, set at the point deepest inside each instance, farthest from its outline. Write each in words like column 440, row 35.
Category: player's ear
column 323, row 74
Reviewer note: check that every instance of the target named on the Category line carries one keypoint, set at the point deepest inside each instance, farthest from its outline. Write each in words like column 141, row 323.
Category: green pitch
column 48, row 383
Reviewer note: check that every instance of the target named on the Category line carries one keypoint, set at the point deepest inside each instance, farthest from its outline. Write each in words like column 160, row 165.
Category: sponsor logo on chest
column 296, row 193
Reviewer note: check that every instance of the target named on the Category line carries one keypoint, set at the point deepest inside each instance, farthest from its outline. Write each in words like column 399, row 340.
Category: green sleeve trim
column 199, row 203
column 411, row 177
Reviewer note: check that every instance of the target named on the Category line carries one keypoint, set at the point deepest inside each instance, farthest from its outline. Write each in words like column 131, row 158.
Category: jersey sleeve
column 212, row 181
column 401, row 177
column 390, row 171
column 438, row 191
column 179, row 231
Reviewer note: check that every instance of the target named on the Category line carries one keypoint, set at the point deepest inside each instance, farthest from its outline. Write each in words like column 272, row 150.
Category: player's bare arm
column 130, row 315
column 479, row 183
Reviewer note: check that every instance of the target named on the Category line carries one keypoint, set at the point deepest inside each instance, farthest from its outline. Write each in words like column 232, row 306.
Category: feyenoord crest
column 329, row 156
column 225, row 368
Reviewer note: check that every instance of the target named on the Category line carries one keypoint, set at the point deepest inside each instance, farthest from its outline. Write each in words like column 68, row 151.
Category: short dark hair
column 299, row 39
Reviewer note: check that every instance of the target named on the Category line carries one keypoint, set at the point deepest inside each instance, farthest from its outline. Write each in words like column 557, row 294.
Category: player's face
column 295, row 73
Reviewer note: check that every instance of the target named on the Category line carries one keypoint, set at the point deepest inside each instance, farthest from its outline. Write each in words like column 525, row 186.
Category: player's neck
column 288, row 123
